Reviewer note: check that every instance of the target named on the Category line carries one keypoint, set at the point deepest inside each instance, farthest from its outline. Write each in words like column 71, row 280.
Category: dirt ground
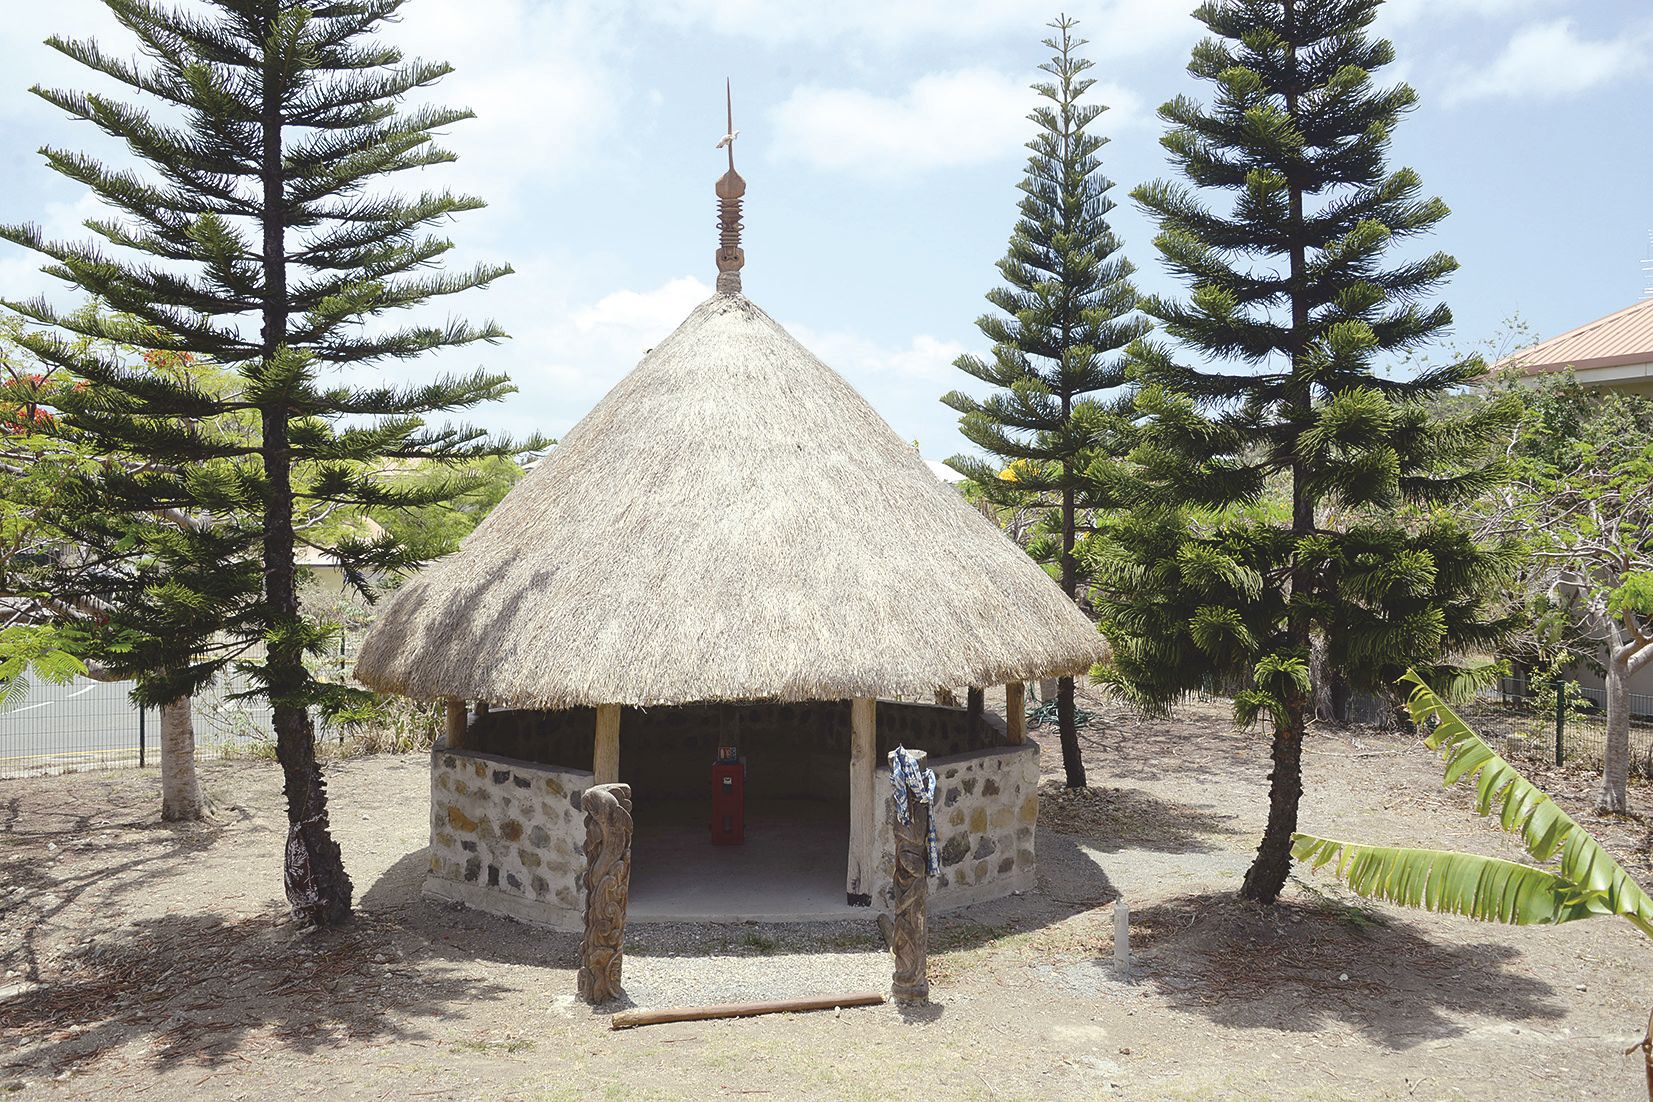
column 150, row 961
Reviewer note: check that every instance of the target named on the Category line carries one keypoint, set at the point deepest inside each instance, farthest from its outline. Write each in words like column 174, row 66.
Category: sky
column 882, row 144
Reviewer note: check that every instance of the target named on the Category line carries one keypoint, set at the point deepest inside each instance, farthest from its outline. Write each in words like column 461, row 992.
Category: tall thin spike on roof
column 730, row 188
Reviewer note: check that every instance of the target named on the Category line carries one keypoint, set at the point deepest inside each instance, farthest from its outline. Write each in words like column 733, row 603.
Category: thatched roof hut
column 732, row 522
column 731, row 531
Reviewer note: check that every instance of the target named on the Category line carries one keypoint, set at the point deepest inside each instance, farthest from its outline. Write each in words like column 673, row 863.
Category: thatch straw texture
column 731, row 522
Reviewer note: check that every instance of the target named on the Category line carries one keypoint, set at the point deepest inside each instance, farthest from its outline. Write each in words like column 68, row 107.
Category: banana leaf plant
column 1584, row 883
column 1578, row 878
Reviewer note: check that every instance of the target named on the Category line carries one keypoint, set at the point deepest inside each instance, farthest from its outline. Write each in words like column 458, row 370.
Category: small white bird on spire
column 727, row 139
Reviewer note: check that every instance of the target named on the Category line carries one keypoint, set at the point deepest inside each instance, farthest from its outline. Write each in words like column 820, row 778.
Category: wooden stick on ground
column 627, row 1019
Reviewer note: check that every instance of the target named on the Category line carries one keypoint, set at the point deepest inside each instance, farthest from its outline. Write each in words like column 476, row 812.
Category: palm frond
column 1460, row 682
column 1583, row 883
column 1488, row 889
column 1526, row 811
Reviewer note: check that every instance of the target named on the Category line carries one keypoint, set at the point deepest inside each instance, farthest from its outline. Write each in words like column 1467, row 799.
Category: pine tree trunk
column 1614, row 796
column 1073, row 763
column 318, row 889
column 180, row 793
column 1343, row 698
column 1269, row 869
column 1331, row 695
column 1267, row 874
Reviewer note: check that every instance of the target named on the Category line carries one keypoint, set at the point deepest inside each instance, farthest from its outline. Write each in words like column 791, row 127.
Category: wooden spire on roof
column 730, row 188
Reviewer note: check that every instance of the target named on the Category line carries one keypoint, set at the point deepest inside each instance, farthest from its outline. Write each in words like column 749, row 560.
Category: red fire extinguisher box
column 728, row 802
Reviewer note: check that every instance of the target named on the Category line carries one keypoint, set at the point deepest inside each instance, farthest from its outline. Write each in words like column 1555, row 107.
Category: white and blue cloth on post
column 911, row 782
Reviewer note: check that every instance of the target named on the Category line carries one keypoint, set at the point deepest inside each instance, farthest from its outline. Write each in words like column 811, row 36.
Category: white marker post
column 1122, row 935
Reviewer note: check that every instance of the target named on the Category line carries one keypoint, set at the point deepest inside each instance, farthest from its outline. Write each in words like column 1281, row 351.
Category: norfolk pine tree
column 66, row 562
column 259, row 233
column 1290, row 285
column 1065, row 315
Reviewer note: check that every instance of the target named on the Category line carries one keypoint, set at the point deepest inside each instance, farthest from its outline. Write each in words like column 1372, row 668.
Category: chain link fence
column 88, row 724
column 1565, row 723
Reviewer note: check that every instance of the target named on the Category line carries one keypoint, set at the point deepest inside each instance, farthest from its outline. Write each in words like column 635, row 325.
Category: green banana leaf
column 1583, row 883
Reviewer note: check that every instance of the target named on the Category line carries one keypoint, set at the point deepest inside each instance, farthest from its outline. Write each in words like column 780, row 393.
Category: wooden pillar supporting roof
column 456, row 723
column 863, row 801
column 605, row 751
column 1015, row 711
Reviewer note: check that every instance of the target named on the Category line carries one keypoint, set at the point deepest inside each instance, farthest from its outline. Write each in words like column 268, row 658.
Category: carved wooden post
column 607, row 884
column 908, row 931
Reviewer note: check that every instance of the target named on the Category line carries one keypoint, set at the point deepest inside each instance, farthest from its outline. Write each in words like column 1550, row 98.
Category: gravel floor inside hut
column 155, row 962
column 791, row 864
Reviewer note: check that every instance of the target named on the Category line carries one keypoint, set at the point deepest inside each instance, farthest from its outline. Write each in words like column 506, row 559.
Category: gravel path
column 675, row 966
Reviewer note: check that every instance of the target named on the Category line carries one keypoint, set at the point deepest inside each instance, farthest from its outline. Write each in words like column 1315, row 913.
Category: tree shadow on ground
column 454, row 931
column 1198, row 741
column 103, row 852
column 198, row 986
column 1248, row 966
column 1071, row 882
column 201, row 988
column 1115, row 819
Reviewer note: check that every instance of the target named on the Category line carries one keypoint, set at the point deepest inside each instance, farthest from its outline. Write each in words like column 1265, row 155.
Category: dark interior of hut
column 791, row 761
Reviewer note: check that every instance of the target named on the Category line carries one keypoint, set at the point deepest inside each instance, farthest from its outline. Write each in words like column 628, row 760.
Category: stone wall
column 508, row 836
column 987, row 805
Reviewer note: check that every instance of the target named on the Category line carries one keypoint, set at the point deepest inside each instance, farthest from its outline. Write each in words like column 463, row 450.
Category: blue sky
column 881, row 146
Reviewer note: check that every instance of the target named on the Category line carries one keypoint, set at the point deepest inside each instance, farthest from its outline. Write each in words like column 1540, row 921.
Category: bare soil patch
column 157, row 961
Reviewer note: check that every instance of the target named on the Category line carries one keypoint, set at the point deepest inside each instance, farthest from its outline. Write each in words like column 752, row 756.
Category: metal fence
column 90, row 724
column 1566, row 723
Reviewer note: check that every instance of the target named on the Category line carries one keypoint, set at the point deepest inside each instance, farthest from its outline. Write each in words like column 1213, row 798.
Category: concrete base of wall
column 494, row 901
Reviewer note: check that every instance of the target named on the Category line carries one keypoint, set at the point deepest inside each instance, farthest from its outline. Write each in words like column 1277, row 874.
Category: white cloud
column 1410, row 12
column 542, row 80
column 923, row 359
column 942, row 120
column 570, row 353
column 874, row 23
column 26, row 60
column 20, row 275
column 1549, row 61
column 1117, row 28
column 904, row 380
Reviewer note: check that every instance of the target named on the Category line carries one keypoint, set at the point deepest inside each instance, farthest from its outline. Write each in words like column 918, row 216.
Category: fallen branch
column 628, row 1019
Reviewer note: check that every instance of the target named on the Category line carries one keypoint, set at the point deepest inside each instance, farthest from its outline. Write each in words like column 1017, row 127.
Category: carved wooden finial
column 730, row 188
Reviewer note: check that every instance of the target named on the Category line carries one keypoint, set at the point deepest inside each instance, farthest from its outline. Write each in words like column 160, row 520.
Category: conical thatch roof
column 731, row 522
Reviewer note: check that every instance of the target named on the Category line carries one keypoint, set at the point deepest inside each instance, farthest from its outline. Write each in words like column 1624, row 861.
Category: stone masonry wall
column 987, row 806
column 508, row 836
